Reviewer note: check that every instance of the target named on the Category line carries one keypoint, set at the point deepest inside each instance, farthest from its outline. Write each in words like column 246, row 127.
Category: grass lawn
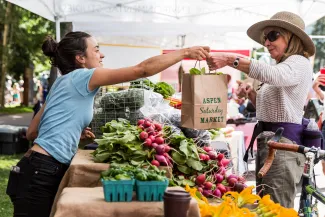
column 16, row 110
column 6, row 161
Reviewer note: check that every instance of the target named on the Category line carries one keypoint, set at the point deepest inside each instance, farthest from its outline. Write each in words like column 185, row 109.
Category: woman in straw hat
column 280, row 99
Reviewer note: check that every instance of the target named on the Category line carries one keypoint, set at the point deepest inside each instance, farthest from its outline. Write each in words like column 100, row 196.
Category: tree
column 319, row 29
column 4, row 52
column 26, row 34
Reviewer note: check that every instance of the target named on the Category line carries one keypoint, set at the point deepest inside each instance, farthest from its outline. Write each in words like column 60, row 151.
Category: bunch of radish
column 215, row 182
column 152, row 138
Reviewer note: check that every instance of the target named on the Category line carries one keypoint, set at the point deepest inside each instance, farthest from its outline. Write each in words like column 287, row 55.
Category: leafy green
column 166, row 90
column 179, row 159
column 195, row 71
column 195, row 164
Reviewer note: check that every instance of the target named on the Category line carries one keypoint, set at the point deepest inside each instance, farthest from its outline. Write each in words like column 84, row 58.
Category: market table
column 83, row 172
column 85, row 202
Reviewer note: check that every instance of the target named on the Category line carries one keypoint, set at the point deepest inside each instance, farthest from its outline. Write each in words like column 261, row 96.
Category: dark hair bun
column 49, row 46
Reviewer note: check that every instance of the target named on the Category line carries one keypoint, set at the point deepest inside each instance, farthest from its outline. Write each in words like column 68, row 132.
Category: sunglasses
column 272, row 36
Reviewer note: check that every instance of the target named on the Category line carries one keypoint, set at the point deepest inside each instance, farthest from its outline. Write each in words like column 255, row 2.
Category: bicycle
column 309, row 189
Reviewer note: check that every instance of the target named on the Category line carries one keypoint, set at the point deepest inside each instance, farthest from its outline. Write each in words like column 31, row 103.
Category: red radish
column 153, row 126
column 141, row 127
column 154, row 145
column 218, row 177
column 225, row 162
column 222, row 188
column 207, row 158
column 160, row 158
column 202, row 156
column 167, row 155
column 232, row 176
column 155, row 163
column 147, row 124
column 239, row 187
column 143, row 135
column 208, row 185
column 228, row 188
column 152, row 138
column 207, row 193
column 232, row 182
column 200, row 189
column 148, row 142
column 160, row 149
column 148, row 119
column 158, row 134
column 158, row 127
column 200, row 179
column 159, row 140
column 167, row 148
column 212, row 155
column 207, row 148
column 150, row 130
column 222, row 170
column 220, row 156
column 217, row 193
column 241, row 179
column 140, row 122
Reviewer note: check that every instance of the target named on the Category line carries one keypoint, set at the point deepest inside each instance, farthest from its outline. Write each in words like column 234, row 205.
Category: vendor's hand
column 87, row 134
column 320, row 80
column 243, row 89
column 198, row 52
column 323, row 166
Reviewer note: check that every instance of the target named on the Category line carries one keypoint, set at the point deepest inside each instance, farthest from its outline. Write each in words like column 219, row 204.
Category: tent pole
column 57, row 29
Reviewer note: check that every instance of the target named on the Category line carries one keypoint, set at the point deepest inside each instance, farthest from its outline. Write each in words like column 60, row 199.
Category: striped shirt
column 283, row 96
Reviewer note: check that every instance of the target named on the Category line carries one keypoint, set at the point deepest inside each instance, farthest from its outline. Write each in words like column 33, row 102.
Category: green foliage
column 16, row 110
column 27, row 32
column 319, row 29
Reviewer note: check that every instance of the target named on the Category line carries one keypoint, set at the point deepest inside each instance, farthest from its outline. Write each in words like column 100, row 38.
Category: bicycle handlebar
column 274, row 145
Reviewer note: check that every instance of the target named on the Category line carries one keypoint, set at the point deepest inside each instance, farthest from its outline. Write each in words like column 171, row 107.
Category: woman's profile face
column 93, row 58
column 274, row 42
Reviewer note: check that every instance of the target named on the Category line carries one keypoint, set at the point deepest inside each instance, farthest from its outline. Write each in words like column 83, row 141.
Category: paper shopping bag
column 204, row 101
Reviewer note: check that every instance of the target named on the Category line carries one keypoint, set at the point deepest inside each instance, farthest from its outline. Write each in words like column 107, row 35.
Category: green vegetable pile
column 120, row 144
column 143, row 83
column 118, row 172
column 165, row 89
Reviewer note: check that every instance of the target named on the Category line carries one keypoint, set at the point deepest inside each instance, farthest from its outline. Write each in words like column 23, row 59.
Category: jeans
column 33, row 184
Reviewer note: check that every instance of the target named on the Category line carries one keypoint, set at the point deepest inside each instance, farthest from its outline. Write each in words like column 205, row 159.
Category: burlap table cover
column 83, row 172
column 85, row 202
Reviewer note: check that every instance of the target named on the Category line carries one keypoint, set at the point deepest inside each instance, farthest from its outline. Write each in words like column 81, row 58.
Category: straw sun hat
column 286, row 20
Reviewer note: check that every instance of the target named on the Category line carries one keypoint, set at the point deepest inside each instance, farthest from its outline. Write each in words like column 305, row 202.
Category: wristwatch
column 236, row 62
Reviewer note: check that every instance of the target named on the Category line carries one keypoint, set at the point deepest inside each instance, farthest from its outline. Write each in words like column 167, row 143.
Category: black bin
column 13, row 140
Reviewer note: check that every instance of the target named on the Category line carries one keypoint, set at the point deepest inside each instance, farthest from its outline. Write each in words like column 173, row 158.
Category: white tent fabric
column 220, row 23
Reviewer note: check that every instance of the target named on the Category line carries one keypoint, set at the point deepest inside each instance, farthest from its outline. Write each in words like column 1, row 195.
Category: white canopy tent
column 220, row 24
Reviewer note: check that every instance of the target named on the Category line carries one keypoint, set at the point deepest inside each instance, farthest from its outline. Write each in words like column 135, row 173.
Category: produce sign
column 235, row 204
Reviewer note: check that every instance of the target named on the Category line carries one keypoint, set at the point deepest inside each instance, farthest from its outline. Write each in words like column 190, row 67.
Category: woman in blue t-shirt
column 68, row 110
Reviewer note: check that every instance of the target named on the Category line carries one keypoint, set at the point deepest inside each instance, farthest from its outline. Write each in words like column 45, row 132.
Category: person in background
column 16, row 94
column 67, row 113
column 318, row 82
column 279, row 100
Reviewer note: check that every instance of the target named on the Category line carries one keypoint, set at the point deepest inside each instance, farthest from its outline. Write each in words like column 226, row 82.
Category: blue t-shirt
column 68, row 110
